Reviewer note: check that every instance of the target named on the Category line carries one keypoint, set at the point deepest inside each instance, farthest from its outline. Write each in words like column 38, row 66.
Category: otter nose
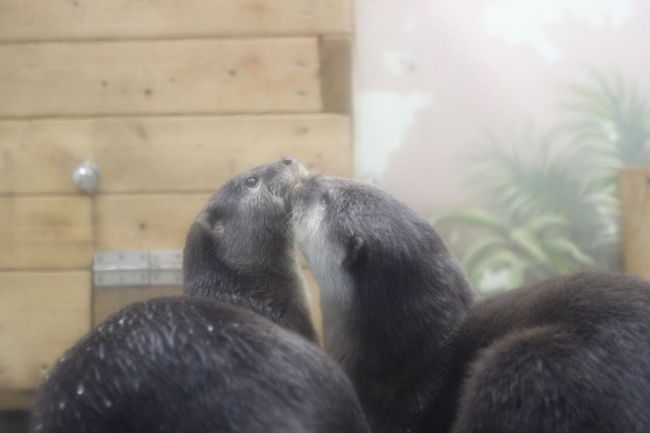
column 287, row 161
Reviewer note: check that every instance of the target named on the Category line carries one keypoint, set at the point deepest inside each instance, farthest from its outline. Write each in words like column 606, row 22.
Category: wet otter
column 240, row 249
column 194, row 365
column 211, row 362
column 567, row 355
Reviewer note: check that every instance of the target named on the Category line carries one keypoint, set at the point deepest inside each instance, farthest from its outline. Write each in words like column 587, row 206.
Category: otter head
column 378, row 264
column 246, row 222
column 362, row 243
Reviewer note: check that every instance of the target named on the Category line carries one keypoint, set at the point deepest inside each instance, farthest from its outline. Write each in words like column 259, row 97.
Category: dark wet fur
column 242, row 252
column 194, row 365
column 568, row 355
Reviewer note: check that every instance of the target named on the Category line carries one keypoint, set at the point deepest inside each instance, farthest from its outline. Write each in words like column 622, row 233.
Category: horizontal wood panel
column 12, row 400
column 165, row 154
column 145, row 222
column 45, row 232
column 41, row 315
column 170, row 76
column 336, row 73
column 107, row 300
column 635, row 209
column 63, row 19
column 39, row 156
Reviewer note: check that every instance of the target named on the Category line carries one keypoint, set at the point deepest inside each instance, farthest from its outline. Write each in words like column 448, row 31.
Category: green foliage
column 554, row 198
column 527, row 250
column 611, row 121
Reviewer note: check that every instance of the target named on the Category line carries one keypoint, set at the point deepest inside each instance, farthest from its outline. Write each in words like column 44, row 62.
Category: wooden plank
column 110, row 19
column 39, row 156
column 170, row 76
column 635, row 205
column 11, row 400
column 313, row 291
column 107, row 300
column 145, row 222
column 45, row 232
column 41, row 315
column 200, row 153
column 336, row 73
column 165, row 154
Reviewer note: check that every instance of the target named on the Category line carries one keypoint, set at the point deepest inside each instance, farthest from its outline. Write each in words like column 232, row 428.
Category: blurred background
column 519, row 128
column 508, row 123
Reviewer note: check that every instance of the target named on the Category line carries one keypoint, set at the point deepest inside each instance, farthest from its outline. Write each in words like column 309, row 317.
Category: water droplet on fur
column 80, row 389
column 108, row 403
column 100, row 351
column 62, row 405
column 210, row 328
column 121, row 321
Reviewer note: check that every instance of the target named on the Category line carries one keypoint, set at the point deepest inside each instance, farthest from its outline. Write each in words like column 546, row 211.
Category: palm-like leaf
column 556, row 205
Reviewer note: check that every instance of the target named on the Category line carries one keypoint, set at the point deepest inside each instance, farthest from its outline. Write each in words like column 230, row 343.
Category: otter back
column 176, row 365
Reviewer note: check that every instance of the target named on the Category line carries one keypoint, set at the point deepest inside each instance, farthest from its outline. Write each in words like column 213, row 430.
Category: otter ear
column 210, row 222
column 355, row 251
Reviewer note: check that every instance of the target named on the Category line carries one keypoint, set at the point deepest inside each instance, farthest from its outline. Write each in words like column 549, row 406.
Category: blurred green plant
column 553, row 200
column 528, row 250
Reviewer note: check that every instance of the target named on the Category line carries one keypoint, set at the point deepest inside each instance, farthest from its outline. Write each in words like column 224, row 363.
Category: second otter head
column 358, row 238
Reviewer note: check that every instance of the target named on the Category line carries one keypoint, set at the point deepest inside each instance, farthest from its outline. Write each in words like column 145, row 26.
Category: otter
column 570, row 354
column 195, row 365
column 230, row 355
column 240, row 249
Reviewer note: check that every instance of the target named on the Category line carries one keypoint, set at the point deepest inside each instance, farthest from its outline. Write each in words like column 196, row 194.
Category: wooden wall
column 169, row 99
column 635, row 221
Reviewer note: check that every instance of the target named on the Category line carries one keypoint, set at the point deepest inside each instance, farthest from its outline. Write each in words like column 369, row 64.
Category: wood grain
column 313, row 291
column 336, row 73
column 45, row 232
column 41, row 315
column 12, row 400
column 145, row 222
column 109, row 19
column 170, row 76
column 165, row 154
column 635, row 205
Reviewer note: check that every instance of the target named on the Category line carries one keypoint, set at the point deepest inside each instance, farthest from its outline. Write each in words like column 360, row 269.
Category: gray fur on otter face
column 345, row 226
column 248, row 216
column 240, row 249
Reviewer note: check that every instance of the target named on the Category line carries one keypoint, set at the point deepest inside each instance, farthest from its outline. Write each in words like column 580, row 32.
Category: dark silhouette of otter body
column 194, row 365
column 567, row 355
column 208, row 363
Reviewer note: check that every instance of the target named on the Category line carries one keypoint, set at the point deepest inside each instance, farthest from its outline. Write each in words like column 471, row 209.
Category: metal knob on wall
column 86, row 175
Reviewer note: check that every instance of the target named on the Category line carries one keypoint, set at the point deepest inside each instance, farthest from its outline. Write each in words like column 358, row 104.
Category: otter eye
column 251, row 181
